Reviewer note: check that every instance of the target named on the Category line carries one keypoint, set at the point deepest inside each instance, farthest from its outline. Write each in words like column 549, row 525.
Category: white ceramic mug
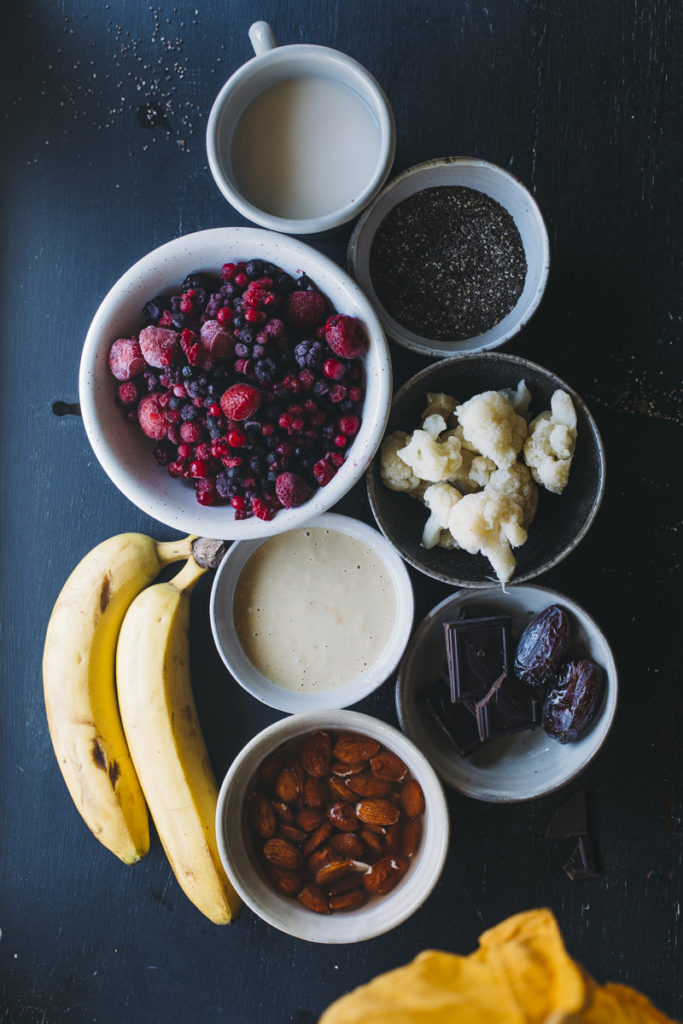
column 300, row 138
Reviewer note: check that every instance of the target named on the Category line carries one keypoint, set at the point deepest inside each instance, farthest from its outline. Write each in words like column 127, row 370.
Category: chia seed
column 448, row 263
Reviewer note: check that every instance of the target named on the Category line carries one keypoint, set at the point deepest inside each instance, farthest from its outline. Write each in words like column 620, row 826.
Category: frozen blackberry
column 309, row 355
column 207, row 282
column 254, row 269
column 153, row 309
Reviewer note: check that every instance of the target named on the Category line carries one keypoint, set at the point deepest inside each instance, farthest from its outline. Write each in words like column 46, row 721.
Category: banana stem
column 173, row 550
column 190, row 573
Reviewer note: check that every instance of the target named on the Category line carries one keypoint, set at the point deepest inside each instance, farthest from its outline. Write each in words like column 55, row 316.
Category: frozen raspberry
column 291, row 489
column 126, row 359
column 219, row 341
column 258, row 294
column 323, row 471
column 240, row 401
column 159, row 345
column 261, row 510
column 304, row 310
column 151, row 417
column 127, row 393
column 348, row 425
column 345, row 336
column 190, row 432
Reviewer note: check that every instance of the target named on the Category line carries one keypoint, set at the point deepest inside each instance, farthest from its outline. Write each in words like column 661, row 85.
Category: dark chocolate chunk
column 478, row 651
column 582, row 863
column 507, row 708
column 570, row 818
column 456, row 721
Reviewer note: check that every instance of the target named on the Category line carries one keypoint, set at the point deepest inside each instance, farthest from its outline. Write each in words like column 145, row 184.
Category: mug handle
column 262, row 37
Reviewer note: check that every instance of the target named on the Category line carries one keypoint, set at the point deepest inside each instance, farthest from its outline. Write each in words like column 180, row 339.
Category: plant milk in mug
column 305, row 147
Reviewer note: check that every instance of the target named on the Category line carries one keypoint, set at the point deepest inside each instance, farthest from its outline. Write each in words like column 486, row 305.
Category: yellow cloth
column 521, row 974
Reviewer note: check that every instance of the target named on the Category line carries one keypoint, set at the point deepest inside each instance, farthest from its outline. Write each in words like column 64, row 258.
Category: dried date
column 542, row 646
column 573, row 701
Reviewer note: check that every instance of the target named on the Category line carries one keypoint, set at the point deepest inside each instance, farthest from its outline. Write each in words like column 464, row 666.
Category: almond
column 351, row 900
column 269, row 769
column 285, row 880
column 372, row 841
column 334, row 870
column 315, row 793
column 348, row 844
column 410, row 837
column 339, row 790
column 344, row 770
column 262, row 816
column 282, row 853
column 351, row 748
column 308, row 819
column 316, row 754
column 377, row 812
column 317, row 838
column 343, row 817
column 344, row 884
column 412, row 798
column 393, row 841
column 313, row 898
column 283, row 811
column 291, row 832
column 383, row 875
column 320, row 857
column 366, row 784
column 387, row 765
column 287, row 785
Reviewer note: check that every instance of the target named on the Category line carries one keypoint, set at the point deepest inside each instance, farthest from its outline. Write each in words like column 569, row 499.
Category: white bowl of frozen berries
column 235, row 383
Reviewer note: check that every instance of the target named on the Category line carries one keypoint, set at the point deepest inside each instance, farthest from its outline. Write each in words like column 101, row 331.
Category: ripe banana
column 165, row 740
column 80, row 689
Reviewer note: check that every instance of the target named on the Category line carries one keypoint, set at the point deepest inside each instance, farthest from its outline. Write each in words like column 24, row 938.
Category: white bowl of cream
column 313, row 618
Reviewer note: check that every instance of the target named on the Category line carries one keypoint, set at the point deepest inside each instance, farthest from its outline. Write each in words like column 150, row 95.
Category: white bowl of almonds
column 332, row 826
column 491, row 470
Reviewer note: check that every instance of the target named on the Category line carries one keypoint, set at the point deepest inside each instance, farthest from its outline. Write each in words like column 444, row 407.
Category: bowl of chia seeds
column 454, row 256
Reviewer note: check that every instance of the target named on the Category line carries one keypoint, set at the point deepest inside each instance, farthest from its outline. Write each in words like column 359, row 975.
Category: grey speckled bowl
column 561, row 520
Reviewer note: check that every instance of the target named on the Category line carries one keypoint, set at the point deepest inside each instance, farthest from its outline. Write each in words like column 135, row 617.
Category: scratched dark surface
column 582, row 101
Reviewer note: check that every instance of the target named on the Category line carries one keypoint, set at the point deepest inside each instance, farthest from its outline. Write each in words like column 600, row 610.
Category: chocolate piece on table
column 478, row 650
column 582, row 863
column 456, row 721
column 508, row 707
column 570, row 818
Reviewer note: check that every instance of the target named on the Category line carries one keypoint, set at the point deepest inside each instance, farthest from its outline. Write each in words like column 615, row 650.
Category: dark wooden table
column 582, row 101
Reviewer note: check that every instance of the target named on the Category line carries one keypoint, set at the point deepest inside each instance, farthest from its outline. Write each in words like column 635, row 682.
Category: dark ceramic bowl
column 561, row 520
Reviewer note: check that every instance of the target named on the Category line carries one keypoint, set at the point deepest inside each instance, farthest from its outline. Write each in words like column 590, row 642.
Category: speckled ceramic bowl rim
column 520, row 362
column 606, row 713
column 380, row 915
column 360, row 242
column 254, row 682
column 125, row 457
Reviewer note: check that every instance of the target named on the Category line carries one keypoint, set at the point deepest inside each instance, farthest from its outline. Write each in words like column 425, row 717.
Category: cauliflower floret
column 517, row 483
column 465, row 444
column 434, row 424
column 490, row 423
column 439, row 499
column 474, row 473
column 489, row 522
column 519, row 397
column 430, row 459
column 549, row 448
column 395, row 474
column 440, row 403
